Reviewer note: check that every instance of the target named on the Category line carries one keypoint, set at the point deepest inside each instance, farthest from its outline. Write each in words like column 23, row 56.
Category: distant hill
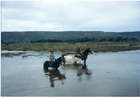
column 28, row 36
column 130, row 34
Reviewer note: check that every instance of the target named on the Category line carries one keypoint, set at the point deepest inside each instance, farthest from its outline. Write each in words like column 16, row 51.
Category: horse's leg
column 46, row 67
column 56, row 68
column 64, row 63
column 80, row 62
column 53, row 65
column 75, row 62
column 84, row 61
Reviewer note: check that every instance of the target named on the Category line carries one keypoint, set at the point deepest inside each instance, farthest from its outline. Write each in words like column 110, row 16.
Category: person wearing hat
column 51, row 56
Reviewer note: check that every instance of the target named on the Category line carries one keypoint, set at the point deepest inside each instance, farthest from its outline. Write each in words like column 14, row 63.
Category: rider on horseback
column 52, row 57
column 79, row 50
column 79, row 54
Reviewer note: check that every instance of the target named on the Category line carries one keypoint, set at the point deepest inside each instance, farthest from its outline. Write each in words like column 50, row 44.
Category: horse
column 72, row 60
column 85, row 55
column 53, row 65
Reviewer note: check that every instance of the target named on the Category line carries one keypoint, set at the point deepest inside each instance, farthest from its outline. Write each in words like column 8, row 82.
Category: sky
column 108, row 16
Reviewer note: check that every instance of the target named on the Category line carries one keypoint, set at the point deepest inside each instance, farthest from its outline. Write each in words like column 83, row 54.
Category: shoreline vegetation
column 69, row 41
column 72, row 47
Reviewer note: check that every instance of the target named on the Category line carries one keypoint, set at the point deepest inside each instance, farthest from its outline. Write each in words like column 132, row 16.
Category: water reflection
column 84, row 71
column 54, row 75
column 72, row 66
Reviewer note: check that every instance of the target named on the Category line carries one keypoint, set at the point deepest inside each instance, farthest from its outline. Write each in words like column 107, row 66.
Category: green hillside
column 28, row 36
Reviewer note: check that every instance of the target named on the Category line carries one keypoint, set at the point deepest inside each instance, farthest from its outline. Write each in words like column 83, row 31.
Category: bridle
column 86, row 53
column 61, row 60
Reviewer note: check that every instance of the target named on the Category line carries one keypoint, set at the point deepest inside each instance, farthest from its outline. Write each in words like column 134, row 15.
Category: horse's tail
column 45, row 65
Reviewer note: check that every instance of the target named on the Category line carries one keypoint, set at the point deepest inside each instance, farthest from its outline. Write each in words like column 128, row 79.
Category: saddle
column 78, row 55
column 50, row 63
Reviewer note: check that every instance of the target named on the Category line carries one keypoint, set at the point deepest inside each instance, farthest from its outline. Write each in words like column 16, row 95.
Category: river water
column 106, row 74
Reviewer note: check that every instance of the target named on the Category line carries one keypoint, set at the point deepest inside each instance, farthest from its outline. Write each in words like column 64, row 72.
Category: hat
column 51, row 51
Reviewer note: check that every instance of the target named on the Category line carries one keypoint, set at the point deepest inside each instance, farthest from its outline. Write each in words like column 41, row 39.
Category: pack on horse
column 72, row 60
column 53, row 65
column 84, row 56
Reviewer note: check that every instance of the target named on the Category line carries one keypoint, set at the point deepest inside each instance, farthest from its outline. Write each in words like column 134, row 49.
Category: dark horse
column 54, row 65
column 85, row 55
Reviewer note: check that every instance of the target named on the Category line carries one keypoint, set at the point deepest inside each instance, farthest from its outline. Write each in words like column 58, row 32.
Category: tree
column 111, row 39
column 118, row 39
column 102, row 39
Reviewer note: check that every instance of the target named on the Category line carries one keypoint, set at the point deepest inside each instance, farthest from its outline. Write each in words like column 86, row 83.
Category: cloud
column 73, row 15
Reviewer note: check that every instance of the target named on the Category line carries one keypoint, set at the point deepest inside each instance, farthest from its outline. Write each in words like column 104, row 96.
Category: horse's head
column 58, row 62
column 90, row 51
column 63, row 59
column 87, row 51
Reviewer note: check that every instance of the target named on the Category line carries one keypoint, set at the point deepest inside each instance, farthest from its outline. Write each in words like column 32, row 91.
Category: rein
column 58, row 61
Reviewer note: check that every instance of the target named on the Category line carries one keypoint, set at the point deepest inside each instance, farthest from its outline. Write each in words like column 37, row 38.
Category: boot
column 51, row 64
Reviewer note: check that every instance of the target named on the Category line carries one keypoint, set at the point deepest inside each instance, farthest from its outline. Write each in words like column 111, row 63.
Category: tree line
column 86, row 39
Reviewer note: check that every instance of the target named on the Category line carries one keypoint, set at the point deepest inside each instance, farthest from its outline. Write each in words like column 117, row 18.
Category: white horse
column 72, row 60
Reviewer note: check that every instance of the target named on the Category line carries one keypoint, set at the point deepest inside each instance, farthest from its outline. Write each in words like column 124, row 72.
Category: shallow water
column 106, row 74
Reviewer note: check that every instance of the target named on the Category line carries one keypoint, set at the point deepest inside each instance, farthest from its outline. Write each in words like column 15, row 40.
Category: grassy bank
column 72, row 47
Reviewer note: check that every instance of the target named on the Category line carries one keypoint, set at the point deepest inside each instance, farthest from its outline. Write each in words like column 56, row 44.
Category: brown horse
column 85, row 55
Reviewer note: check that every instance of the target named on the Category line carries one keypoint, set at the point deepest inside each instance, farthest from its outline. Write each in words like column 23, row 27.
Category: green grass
column 72, row 47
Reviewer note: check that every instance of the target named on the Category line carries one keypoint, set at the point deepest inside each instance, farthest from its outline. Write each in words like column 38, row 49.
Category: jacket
column 51, row 56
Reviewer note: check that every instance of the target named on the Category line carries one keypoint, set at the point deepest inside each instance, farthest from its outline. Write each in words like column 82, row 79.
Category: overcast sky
column 106, row 16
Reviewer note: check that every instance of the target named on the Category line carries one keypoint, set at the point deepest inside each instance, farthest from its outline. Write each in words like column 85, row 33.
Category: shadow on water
column 54, row 75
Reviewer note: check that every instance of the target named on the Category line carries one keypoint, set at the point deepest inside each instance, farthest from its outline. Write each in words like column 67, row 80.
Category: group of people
column 52, row 57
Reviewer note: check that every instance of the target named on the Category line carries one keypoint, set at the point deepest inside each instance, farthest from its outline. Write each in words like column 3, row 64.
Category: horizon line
column 71, row 31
